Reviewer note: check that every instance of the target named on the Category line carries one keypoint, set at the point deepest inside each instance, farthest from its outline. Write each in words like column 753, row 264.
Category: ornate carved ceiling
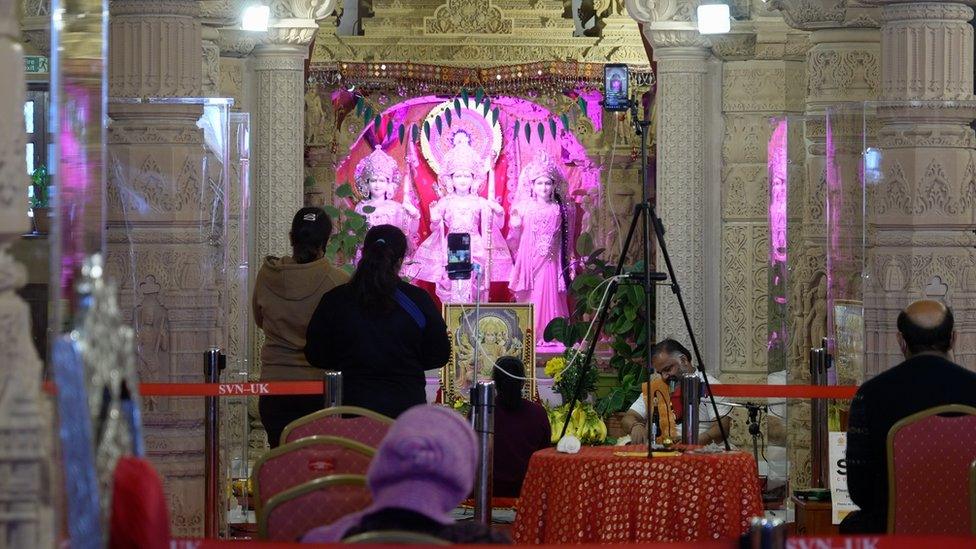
column 481, row 33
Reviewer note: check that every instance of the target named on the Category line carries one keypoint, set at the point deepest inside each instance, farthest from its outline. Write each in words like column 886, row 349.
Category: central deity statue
column 461, row 209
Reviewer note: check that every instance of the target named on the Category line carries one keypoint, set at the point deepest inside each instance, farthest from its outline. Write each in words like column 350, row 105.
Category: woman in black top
column 380, row 332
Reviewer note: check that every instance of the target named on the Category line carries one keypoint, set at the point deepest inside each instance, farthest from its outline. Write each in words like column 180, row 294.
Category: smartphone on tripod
column 616, row 88
column 459, row 256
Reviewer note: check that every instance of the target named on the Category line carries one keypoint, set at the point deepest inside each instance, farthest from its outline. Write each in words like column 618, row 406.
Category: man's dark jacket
column 916, row 384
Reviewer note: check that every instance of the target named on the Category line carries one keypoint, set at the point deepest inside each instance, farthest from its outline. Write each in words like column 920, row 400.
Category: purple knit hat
column 425, row 464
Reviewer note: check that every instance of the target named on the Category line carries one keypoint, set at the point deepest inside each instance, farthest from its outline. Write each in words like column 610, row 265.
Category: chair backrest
column 359, row 424
column 395, row 537
column 972, row 496
column 307, row 459
column 928, row 464
column 320, row 502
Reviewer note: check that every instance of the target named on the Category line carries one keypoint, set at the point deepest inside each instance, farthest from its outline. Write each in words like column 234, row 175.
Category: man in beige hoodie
column 286, row 293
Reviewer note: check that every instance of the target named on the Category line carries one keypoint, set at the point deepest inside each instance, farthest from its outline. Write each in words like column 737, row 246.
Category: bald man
column 925, row 379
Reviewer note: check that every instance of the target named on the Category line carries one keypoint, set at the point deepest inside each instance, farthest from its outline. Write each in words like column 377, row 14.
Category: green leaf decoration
column 515, row 132
column 552, row 127
column 528, row 133
column 376, row 123
column 401, row 131
column 360, row 103
column 582, row 105
column 427, row 130
column 389, row 127
column 494, row 116
column 565, row 118
column 367, row 114
column 464, row 95
column 447, row 117
column 439, row 124
column 478, row 94
column 457, row 106
column 356, row 222
column 343, row 191
column 369, row 209
column 415, row 132
column 542, row 132
column 332, row 211
column 485, row 108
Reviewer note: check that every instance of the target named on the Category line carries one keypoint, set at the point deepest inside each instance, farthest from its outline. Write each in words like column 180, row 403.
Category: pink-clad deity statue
column 463, row 210
column 540, row 229
column 378, row 180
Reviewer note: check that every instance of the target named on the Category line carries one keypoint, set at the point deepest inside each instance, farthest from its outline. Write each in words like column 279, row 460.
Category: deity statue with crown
column 540, row 230
column 378, row 181
column 462, row 171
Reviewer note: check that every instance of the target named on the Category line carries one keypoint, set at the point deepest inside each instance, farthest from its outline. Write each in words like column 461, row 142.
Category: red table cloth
column 600, row 496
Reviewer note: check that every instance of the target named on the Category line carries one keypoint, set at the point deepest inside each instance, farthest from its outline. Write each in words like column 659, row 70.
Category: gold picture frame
column 504, row 328
column 849, row 341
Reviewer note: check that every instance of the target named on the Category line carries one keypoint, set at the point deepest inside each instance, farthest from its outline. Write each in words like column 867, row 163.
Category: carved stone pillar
column 25, row 515
column 923, row 200
column 763, row 78
column 163, row 247
column 682, row 69
column 842, row 66
column 685, row 175
column 279, row 122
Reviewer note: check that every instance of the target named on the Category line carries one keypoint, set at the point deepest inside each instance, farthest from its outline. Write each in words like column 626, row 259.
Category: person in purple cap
column 422, row 471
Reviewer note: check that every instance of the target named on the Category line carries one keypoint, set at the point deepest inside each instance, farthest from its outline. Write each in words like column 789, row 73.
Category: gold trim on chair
column 399, row 537
column 890, row 447
column 301, row 490
column 315, row 440
column 337, row 410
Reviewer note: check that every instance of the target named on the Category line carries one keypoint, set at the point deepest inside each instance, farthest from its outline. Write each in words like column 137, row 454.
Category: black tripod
column 647, row 216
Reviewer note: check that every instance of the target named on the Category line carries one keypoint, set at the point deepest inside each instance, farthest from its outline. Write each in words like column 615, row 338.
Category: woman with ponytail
column 379, row 331
column 286, row 292
column 521, row 428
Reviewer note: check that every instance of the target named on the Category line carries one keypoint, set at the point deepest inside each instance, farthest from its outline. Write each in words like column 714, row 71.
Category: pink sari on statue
column 537, row 275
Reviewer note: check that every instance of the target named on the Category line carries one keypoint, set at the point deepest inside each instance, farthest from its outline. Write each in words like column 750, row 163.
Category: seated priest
column 670, row 361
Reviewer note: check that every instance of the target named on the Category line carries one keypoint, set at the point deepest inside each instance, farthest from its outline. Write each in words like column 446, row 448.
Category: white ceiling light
column 714, row 19
column 255, row 18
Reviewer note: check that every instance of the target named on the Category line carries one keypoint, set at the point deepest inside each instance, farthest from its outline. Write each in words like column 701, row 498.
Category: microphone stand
column 647, row 216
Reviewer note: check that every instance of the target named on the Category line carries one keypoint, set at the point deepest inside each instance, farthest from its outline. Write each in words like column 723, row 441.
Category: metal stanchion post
column 483, row 414
column 333, row 389
column 818, row 420
column 213, row 362
column 690, row 399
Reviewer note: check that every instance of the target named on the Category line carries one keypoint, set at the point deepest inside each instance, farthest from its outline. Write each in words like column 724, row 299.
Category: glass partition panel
column 168, row 247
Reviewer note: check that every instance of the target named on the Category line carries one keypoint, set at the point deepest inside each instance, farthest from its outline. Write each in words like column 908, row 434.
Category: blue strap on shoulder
column 411, row 308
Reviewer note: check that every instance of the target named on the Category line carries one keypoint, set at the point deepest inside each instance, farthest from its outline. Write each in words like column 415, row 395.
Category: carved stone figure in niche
column 377, row 180
column 152, row 332
column 540, row 229
column 462, row 210
column 314, row 118
column 621, row 209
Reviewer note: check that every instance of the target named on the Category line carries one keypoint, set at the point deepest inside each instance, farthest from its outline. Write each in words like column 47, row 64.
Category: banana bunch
column 585, row 424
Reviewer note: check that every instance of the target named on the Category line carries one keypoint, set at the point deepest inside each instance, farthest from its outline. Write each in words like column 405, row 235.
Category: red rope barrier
column 841, row 392
column 785, row 391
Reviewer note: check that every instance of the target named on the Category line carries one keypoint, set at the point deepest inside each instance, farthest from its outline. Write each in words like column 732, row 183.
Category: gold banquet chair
column 395, row 537
column 306, row 459
column 320, row 502
column 359, row 424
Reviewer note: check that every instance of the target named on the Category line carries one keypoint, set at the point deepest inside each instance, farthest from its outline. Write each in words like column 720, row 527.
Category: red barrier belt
column 225, row 389
column 317, row 388
column 785, row 391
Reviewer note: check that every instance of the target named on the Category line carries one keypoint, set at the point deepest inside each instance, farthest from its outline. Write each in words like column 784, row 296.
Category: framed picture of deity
column 495, row 330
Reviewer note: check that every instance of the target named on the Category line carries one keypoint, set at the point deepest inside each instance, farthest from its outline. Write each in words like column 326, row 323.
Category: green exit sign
column 35, row 64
